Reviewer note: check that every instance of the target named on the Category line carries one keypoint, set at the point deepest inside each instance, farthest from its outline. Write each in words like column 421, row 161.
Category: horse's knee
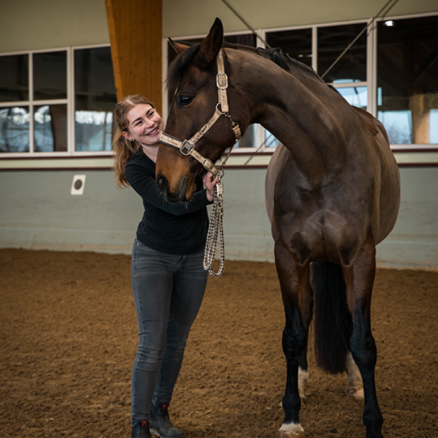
column 294, row 342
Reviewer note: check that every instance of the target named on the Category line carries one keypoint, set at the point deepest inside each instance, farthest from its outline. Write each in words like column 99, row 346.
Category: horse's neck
column 301, row 111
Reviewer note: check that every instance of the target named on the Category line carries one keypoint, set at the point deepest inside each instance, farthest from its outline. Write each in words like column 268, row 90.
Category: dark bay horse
column 332, row 194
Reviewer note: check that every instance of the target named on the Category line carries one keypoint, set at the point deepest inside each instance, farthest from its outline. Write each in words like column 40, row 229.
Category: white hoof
column 291, row 430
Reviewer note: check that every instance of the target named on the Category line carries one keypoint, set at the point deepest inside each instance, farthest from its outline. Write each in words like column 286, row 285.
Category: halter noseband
column 187, row 147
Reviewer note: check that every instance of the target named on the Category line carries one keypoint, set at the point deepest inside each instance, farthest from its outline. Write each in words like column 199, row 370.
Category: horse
column 332, row 194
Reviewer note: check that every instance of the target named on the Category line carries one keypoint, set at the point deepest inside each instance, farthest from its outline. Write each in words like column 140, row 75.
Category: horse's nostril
column 182, row 190
column 162, row 183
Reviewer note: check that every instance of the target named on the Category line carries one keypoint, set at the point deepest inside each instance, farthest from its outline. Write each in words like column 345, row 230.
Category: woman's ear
column 127, row 136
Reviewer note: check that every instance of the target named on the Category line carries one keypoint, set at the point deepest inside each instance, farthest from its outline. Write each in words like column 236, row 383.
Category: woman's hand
column 209, row 185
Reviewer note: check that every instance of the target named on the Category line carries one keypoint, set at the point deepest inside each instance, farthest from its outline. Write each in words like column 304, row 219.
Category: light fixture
column 389, row 23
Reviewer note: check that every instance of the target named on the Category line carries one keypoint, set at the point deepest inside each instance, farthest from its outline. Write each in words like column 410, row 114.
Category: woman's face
column 144, row 125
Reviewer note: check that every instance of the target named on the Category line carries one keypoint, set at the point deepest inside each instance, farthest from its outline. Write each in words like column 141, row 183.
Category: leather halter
column 187, row 147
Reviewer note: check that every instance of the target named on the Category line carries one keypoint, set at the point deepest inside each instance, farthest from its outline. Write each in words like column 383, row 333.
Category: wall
column 47, row 24
column 38, row 212
column 194, row 17
column 414, row 240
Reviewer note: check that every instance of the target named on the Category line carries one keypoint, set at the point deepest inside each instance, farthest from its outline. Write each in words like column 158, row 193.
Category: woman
column 168, row 279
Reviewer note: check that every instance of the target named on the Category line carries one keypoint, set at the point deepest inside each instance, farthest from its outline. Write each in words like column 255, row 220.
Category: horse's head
column 192, row 82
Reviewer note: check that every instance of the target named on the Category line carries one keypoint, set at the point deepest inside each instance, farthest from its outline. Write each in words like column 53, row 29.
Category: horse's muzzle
column 163, row 185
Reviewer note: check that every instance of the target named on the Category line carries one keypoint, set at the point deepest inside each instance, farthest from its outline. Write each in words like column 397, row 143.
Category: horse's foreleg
column 295, row 289
column 359, row 278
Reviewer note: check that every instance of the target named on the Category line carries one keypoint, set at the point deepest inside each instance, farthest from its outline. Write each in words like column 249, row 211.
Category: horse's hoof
column 356, row 392
column 291, row 430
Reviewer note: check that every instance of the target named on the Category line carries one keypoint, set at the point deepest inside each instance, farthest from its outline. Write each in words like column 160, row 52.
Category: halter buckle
column 222, row 81
column 186, row 147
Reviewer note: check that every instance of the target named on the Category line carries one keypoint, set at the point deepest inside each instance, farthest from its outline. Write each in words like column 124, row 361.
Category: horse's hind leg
column 359, row 278
column 303, row 372
column 354, row 380
column 296, row 293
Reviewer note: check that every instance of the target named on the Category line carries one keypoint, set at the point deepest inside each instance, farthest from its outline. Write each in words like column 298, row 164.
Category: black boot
column 141, row 430
column 161, row 425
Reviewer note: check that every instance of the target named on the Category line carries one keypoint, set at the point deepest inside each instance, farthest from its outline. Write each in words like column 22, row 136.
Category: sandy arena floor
column 69, row 333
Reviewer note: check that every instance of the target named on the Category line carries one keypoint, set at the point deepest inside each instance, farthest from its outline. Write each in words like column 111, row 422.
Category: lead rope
column 215, row 230
column 216, row 226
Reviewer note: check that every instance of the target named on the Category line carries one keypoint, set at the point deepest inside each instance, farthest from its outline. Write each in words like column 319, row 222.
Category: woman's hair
column 122, row 147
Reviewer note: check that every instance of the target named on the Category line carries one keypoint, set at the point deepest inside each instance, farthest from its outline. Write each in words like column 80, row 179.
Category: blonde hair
column 122, row 147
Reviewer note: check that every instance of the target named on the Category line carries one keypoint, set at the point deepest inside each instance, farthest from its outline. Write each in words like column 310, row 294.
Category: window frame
column 69, row 101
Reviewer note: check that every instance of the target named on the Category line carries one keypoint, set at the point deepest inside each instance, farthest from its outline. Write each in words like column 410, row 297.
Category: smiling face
column 145, row 125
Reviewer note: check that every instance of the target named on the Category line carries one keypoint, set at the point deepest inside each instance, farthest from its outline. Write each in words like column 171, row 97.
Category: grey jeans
column 168, row 291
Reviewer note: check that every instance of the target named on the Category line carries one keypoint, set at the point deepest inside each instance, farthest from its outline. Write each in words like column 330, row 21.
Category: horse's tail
column 333, row 321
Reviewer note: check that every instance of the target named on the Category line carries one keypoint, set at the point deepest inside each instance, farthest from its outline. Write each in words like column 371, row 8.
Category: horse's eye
column 185, row 100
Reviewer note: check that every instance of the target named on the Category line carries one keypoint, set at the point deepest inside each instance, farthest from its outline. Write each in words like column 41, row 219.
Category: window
column 407, row 79
column 40, row 113
column 332, row 41
column 95, row 99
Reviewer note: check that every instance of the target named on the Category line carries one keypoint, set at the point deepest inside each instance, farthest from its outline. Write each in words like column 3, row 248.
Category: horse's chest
column 319, row 234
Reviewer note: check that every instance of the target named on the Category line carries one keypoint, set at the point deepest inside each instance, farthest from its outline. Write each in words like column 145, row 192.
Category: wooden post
column 135, row 28
column 420, row 106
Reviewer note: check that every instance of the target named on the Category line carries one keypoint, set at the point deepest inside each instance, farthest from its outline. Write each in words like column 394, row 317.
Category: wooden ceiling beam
column 135, row 29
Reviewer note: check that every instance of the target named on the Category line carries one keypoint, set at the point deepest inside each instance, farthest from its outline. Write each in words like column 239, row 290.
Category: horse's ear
column 178, row 47
column 210, row 46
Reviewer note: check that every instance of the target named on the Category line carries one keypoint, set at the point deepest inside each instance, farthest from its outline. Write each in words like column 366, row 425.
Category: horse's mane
column 285, row 61
column 276, row 55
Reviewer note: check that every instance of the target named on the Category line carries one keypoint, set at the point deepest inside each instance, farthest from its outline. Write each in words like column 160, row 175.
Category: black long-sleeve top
column 170, row 227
